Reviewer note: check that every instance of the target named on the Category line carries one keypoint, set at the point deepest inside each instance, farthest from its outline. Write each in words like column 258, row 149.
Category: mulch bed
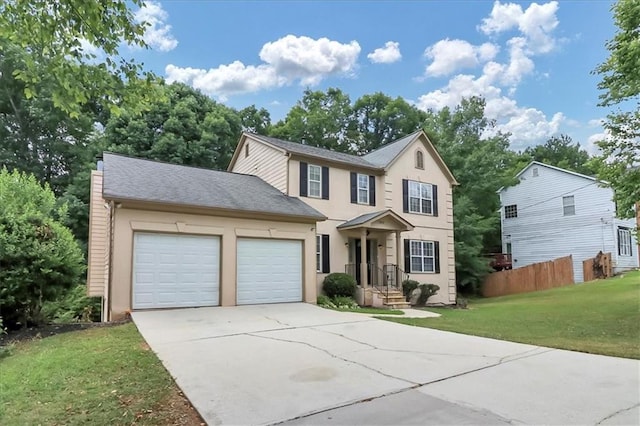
column 48, row 330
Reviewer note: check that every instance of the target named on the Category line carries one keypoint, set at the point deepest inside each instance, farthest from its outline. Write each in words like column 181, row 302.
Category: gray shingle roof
column 129, row 178
column 381, row 157
column 313, row 151
column 361, row 219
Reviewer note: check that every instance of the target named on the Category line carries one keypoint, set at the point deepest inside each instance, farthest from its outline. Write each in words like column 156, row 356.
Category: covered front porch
column 379, row 279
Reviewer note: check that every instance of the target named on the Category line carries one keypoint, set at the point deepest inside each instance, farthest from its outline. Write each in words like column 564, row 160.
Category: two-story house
column 270, row 228
column 554, row 212
column 389, row 213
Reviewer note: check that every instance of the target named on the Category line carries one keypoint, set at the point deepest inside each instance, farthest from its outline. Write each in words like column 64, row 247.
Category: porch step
column 397, row 305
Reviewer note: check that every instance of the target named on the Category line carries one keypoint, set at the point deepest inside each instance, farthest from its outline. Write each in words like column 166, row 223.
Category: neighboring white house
column 554, row 212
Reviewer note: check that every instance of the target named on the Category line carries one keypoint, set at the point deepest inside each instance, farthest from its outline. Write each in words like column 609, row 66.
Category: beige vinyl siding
column 268, row 163
column 98, row 262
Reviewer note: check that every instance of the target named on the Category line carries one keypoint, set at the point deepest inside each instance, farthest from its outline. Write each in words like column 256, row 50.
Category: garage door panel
column 175, row 271
column 269, row 271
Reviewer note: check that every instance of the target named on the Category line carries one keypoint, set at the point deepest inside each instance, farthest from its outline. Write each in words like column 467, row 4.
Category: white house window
column 511, row 211
column 534, row 172
column 568, row 205
column 419, row 160
column 318, row 253
column 363, row 189
column 420, row 198
column 422, row 256
column 624, row 242
column 246, row 150
column 315, row 181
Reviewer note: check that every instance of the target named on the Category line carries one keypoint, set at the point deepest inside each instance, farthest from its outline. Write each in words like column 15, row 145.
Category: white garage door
column 171, row 271
column 269, row 271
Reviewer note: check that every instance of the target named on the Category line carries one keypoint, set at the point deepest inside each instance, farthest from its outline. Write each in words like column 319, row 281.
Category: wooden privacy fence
column 597, row 267
column 536, row 277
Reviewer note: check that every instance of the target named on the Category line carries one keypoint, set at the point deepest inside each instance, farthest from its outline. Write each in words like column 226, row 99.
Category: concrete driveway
column 300, row 364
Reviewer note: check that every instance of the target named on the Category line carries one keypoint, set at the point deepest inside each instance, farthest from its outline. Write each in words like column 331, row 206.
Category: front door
column 358, row 257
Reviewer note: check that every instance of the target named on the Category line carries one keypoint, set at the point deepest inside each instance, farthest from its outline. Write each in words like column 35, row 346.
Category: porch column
column 363, row 259
column 398, row 259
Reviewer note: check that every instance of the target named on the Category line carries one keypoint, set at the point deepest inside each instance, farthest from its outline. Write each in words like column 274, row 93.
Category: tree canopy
column 61, row 37
column 620, row 161
column 561, row 151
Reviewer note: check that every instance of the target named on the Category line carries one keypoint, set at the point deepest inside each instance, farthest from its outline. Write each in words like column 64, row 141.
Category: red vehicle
column 500, row 261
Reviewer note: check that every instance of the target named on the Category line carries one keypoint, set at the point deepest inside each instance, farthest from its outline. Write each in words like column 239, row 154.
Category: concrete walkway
column 300, row 364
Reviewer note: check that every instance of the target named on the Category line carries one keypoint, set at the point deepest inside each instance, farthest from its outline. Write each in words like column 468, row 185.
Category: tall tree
column 37, row 137
column 255, row 120
column 481, row 165
column 54, row 33
column 621, row 87
column 184, row 127
column 560, row 151
column 321, row 119
column 381, row 119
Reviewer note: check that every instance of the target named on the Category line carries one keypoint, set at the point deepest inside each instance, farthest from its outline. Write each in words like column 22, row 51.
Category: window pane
column 318, row 253
column 428, row 264
column 314, row 189
column 426, row 191
column 363, row 181
column 414, row 189
column 363, row 196
column 414, row 205
column 416, row 248
column 426, row 206
column 416, row 264
column 314, row 173
column 428, row 248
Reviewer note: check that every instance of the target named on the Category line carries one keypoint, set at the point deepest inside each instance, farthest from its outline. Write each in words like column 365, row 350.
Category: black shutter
column 619, row 242
column 354, row 188
column 303, row 179
column 434, row 194
column 407, row 256
column 405, row 195
column 325, row 183
column 372, row 190
column 325, row 254
column 436, row 254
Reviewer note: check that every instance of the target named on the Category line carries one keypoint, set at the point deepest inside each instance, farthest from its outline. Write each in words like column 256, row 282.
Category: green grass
column 600, row 317
column 103, row 375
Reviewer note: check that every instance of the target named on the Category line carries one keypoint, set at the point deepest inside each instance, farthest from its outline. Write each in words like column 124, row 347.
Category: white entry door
column 269, row 271
column 171, row 271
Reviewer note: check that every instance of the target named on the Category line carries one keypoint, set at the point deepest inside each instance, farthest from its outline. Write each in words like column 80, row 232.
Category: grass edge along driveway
column 599, row 317
column 104, row 375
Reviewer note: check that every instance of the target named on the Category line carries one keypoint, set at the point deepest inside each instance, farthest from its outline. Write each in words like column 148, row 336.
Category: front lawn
column 104, row 375
column 600, row 317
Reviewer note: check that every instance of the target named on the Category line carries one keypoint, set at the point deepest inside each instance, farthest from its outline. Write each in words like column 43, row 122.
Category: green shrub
column 74, row 306
column 325, row 301
column 39, row 258
column 339, row 284
column 408, row 286
column 344, row 302
column 426, row 291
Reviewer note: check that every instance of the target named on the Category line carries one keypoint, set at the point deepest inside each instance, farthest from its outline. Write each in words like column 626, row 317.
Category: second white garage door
column 269, row 271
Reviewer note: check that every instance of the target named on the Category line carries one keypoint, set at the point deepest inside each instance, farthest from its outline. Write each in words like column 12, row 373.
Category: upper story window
column 418, row 197
column 315, row 181
column 246, row 150
column 568, row 206
column 419, row 160
column 511, row 211
column 535, row 172
column 363, row 189
column 624, row 242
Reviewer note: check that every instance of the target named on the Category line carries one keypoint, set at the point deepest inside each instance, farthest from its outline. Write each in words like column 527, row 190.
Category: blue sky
column 531, row 61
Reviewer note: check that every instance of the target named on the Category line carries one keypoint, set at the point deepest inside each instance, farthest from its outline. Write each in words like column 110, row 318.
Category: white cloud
column 386, row 55
column 596, row 122
column 499, row 80
column 286, row 61
column 451, row 55
column 536, row 23
column 158, row 33
column 309, row 60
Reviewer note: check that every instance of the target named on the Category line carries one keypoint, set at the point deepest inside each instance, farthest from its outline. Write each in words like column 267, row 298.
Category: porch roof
column 378, row 220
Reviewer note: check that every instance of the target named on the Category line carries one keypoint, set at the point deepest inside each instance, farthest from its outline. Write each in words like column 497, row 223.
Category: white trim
column 362, row 188
column 309, row 181
column 624, row 242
